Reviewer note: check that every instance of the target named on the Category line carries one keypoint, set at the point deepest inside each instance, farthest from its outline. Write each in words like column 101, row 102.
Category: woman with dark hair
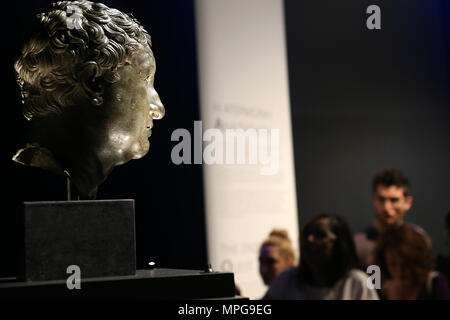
column 407, row 263
column 328, row 265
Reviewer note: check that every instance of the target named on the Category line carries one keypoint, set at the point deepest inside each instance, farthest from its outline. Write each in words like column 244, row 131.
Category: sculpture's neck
column 84, row 172
column 68, row 150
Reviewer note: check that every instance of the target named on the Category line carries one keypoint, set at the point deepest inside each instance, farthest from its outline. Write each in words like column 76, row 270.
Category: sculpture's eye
column 147, row 78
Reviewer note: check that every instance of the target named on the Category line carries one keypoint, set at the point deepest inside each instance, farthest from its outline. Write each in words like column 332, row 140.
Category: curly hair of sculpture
column 86, row 74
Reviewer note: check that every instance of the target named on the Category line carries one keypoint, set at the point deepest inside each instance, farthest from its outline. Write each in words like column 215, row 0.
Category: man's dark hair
column 392, row 177
column 343, row 258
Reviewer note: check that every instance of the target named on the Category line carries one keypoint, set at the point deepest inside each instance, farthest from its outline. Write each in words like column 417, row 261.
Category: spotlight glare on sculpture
column 86, row 76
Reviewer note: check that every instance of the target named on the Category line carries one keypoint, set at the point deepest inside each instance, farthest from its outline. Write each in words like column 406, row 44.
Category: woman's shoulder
column 355, row 278
column 283, row 285
column 355, row 286
column 357, row 275
column 288, row 275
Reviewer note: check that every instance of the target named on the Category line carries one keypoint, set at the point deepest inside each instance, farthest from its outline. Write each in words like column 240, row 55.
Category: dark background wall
column 364, row 100
column 169, row 199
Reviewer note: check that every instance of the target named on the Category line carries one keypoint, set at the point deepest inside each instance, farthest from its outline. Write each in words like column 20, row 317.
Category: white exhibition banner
column 249, row 177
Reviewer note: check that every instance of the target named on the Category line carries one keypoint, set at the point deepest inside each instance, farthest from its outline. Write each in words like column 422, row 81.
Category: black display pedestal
column 163, row 284
column 98, row 236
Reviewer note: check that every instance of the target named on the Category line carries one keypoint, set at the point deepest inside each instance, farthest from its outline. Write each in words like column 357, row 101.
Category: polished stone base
column 97, row 236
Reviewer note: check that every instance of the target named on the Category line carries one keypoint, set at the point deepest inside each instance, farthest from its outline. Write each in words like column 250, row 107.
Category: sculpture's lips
column 149, row 127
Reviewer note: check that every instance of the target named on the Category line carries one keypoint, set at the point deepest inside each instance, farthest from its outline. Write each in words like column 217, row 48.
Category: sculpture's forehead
column 143, row 58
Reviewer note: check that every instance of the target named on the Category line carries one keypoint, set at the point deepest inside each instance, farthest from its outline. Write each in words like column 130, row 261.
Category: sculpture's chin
column 138, row 156
column 140, row 149
column 136, row 150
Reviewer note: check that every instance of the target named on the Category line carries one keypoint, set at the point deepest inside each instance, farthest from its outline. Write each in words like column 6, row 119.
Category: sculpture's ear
column 89, row 77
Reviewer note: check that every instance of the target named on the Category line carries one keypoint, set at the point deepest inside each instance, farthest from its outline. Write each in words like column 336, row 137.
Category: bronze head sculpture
column 86, row 75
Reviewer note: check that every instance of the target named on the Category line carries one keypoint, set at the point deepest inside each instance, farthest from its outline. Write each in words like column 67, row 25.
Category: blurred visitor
column 275, row 256
column 391, row 199
column 407, row 265
column 328, row 265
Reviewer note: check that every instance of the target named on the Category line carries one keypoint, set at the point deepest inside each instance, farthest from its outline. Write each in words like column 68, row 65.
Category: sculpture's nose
column 157, row 110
